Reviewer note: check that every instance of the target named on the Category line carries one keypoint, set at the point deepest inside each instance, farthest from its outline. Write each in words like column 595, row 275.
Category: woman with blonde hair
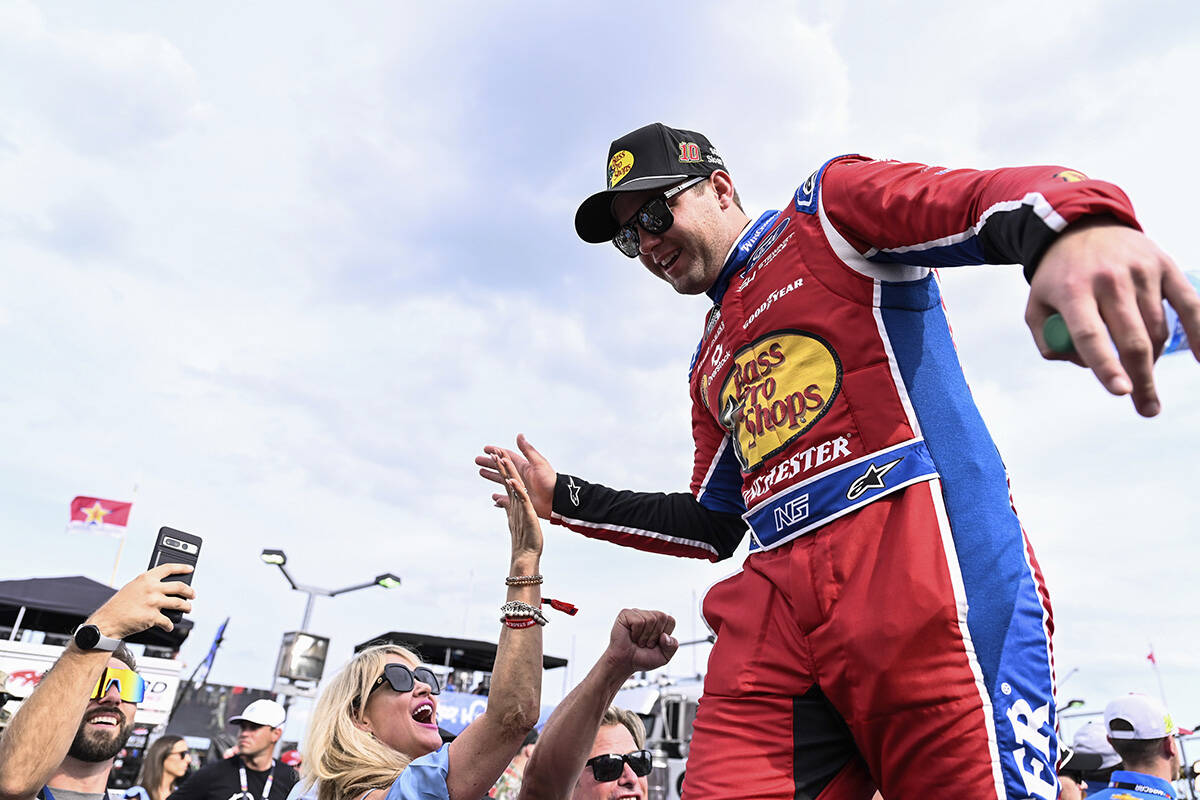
column 374, row 729
column 165, row 764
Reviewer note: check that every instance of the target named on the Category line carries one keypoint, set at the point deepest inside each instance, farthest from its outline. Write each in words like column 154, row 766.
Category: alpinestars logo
column 871, row 479
column 573, row 488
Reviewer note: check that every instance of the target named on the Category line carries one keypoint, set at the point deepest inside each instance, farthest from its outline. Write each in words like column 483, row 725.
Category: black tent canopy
column 59, row 605
column 467, row 654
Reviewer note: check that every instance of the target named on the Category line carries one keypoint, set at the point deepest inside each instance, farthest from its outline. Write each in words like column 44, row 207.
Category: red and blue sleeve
column 932, row 217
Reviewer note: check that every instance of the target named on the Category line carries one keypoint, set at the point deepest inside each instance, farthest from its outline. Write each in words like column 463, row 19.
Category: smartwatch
column 89, row 637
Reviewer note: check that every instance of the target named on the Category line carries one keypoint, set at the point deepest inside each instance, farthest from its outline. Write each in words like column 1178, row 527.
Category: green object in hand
column 1056, row 334
column 1058, row 337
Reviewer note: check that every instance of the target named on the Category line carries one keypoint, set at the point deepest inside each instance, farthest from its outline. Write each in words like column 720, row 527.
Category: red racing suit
column 890, row 627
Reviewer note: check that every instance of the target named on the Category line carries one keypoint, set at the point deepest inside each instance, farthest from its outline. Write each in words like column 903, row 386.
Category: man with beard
column 252, row 774
column 62, row 741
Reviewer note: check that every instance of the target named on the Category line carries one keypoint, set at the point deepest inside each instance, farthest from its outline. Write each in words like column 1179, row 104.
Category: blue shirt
column 1135, row 786
column 424, row 778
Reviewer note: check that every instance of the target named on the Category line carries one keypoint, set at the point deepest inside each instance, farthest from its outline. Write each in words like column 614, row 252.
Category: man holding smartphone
column 62, row 741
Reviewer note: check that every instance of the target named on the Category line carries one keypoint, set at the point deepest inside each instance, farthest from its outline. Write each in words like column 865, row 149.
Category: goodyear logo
column 619, row 166
column 777, row 388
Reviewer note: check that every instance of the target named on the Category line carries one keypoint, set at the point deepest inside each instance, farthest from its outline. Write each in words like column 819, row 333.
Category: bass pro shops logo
column 619, row 166
column 777, row 388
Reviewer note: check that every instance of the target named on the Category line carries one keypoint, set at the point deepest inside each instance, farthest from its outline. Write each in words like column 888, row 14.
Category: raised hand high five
column 530, row 466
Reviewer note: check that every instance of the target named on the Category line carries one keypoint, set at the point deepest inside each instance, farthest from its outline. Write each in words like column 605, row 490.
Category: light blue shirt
column 424, row 778
column 303, row 791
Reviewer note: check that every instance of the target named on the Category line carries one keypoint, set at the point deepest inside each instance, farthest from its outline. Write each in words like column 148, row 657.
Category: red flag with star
column 98, row 515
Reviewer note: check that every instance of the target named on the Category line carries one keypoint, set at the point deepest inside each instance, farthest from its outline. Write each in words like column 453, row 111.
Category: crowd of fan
column 374, row 731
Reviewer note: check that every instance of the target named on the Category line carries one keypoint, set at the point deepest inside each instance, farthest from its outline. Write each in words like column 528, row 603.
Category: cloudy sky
column 284, row 268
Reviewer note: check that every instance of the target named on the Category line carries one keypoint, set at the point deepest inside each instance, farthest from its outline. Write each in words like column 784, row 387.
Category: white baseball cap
column 1142, row 717
column 262, row 712
column 1090, row 740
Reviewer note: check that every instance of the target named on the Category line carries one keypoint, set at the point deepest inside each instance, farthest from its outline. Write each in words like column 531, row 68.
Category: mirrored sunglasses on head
column 654, row 217
column 131, row 685
column 402, row 679
column 610, row 766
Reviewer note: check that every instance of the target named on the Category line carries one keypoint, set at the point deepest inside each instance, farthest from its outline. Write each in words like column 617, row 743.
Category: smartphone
column 175, row 547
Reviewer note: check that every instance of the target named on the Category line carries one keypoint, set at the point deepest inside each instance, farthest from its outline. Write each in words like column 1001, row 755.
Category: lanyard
column 1139, row 787
column 266, row 787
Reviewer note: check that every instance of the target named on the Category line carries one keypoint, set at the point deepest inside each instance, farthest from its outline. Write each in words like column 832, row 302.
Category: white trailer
column 25, row 664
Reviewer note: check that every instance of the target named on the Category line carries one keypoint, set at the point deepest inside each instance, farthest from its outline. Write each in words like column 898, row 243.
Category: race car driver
column 890, row 628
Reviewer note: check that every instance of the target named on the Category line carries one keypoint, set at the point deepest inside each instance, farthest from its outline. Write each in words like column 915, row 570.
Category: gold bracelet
column 523, row 580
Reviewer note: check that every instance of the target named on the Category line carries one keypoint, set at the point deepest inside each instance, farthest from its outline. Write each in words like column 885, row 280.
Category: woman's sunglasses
column 131, row 685
column 654, row 217
column 609, row 767
column 403, row 679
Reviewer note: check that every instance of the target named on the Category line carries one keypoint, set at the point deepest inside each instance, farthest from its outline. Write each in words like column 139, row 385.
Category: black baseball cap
column 1077, row 761
column 652, row 157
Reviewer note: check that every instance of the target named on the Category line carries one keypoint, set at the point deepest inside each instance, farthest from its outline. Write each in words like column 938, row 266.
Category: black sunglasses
column 609, row 767
column 402, row 679
column 655, row 217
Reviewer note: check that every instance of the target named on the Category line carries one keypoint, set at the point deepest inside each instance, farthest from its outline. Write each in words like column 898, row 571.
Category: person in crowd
column 890, row 605
column 374, row 729
column 1071, row 786
column 590, row 750
column 1143, row 734
column 1090, row 762
column 164, row 765
column 253, row 769
column 61, row 743
column 508, row 785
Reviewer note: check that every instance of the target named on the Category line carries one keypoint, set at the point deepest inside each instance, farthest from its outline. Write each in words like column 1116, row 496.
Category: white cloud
column 101, row 92
column 289, row 276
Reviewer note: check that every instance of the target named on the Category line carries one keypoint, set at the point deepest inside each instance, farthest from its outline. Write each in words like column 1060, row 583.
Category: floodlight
column 387, row 580
column 276, row 557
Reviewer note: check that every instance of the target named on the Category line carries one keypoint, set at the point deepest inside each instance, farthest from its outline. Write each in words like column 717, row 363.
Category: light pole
column 301, row 648
column 277, row 557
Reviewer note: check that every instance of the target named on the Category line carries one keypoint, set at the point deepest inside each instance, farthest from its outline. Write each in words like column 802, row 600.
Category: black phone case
column 175, row 547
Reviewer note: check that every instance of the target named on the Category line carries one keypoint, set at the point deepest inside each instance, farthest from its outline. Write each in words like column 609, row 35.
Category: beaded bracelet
column 515, row 609
column 523, row 580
